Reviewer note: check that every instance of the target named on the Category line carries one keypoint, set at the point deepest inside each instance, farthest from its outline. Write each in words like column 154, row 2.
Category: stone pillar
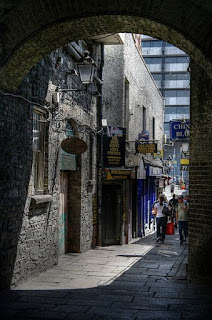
column 200, row 191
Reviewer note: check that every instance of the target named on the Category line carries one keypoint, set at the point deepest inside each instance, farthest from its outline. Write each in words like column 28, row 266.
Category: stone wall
column 143, row 92
column 123, row 62
column 113, row 89
column 15, row 169
column 29, row 233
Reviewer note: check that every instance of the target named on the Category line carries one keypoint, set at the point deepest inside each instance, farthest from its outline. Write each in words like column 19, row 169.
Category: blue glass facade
column 169, row 67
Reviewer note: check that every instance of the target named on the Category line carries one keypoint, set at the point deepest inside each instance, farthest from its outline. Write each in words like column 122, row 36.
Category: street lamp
column 86, row 68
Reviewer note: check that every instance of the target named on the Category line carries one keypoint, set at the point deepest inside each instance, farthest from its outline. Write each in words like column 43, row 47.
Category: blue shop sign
column 179, row 129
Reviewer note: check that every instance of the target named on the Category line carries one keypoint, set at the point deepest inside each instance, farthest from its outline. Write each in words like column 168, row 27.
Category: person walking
column 172, row 188
column 182, row 218
column 180, row 183
column 173, row 204
column 161, row 219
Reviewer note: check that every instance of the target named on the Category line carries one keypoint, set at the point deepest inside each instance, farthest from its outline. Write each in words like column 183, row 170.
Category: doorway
column 111, row 214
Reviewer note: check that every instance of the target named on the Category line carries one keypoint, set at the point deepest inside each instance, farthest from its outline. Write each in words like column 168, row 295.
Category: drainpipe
column 73, row 52
column 100, row 153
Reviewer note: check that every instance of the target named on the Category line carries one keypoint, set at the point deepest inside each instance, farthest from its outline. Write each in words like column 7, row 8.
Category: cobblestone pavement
column 142, row 280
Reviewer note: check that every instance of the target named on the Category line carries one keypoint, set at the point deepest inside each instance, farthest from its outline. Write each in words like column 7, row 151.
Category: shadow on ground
column 156, row 286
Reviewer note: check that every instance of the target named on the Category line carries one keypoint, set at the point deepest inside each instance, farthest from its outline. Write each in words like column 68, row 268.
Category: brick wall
column 200, row 175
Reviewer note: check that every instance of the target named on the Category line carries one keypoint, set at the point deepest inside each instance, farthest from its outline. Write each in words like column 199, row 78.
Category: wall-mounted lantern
column 86, row 68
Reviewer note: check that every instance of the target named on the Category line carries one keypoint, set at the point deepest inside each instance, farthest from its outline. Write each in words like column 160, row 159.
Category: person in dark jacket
column 173, row 202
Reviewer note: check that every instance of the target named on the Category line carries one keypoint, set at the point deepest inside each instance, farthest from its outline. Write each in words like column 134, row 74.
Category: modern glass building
column 169, row 67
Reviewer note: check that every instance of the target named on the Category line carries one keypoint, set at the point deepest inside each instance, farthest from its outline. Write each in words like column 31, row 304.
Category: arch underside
column 45, row 40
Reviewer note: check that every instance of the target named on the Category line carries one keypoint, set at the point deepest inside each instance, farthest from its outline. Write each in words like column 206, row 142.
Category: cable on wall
column 21, row 97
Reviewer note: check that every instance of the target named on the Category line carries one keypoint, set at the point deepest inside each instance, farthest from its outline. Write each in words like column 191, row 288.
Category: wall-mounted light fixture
column 104, row 123
column 185, row 147
column 86, row 68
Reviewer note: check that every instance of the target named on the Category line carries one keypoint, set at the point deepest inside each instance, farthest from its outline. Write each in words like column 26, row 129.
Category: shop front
column 148, row 189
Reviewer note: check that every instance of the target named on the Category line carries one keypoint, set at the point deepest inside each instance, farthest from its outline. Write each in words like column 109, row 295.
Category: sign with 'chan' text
column 179, row 129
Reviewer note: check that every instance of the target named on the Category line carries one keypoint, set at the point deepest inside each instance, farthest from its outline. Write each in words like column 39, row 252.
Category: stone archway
column 34, row 28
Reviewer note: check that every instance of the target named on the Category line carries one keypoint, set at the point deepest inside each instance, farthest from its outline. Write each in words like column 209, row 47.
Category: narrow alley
column 142, row 280
column 106, row 160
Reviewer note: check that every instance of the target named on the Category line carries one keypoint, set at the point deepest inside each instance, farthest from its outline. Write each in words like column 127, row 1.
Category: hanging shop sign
column 155, row 171
column 184, row 161
column 184, row 164
column 184, row 167
column 113, row 174
column 114, row 146
column 145, row 147
column 74, row 145
column 179, row 129
column 68, row 161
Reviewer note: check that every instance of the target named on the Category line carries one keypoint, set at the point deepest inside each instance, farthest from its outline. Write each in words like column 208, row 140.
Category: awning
column 154, row 167
column 152, row 162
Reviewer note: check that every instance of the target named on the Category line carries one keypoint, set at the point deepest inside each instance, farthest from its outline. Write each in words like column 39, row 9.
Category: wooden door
column 63, row 213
